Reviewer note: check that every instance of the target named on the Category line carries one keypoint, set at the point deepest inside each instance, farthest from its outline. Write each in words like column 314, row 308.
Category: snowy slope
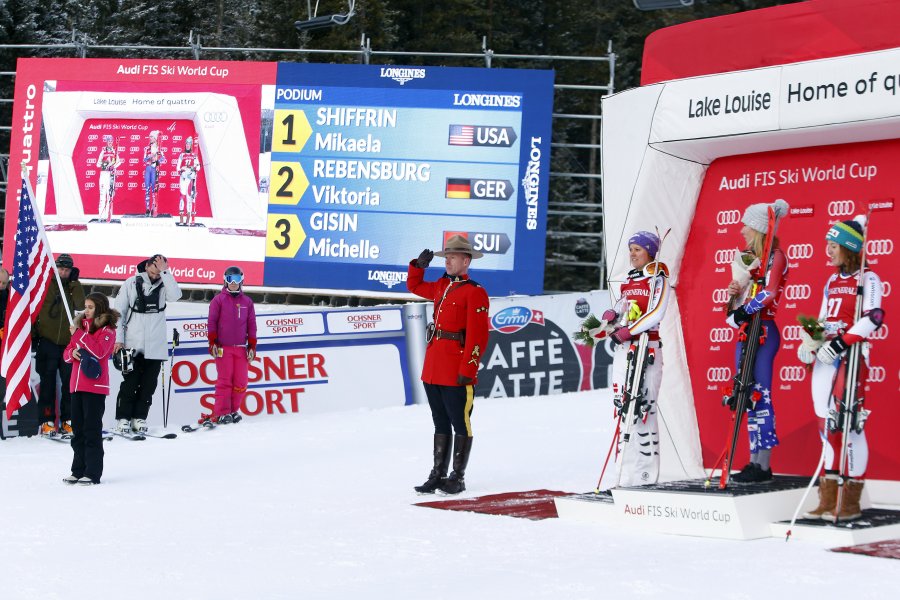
column 321, row 507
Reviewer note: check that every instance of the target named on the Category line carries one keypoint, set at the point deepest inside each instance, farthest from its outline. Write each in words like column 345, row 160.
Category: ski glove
column 621, row 335
column 463, row 380
column 740, row 316
column 832, row 350
column 424, row 258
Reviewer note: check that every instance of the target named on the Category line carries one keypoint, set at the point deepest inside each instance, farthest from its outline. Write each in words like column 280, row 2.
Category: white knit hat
column 756, row 216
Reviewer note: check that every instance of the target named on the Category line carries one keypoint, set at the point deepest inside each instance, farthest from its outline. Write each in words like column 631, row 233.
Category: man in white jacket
column 142, row 303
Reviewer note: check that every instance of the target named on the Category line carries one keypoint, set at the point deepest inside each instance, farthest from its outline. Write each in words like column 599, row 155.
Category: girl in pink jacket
column 93, row 338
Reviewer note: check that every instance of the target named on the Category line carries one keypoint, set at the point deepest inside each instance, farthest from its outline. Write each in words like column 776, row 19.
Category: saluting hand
column 424, row 258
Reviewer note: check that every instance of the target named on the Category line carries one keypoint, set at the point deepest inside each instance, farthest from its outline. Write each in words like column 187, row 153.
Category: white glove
column 808, row 347
column 830, row 352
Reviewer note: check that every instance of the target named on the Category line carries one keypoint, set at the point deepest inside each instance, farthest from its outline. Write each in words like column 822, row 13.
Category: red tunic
column 464, row 307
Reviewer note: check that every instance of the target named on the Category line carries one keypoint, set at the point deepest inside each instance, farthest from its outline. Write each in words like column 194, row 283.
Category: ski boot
column 236, row 417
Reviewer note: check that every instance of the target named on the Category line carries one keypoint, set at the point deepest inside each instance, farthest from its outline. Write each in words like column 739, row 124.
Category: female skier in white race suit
column 635, row 313
column 844, row 249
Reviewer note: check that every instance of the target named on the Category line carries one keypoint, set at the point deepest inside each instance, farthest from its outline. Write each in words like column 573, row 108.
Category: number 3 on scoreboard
column 284, row 236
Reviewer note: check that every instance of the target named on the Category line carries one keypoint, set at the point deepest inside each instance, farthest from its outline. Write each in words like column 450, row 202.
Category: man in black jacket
column 53, row 336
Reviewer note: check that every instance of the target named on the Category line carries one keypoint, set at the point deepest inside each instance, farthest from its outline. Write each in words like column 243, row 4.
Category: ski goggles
column 234, row 278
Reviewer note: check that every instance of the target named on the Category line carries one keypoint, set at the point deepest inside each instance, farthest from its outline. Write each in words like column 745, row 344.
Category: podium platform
column 689, row 507
column 876, row 524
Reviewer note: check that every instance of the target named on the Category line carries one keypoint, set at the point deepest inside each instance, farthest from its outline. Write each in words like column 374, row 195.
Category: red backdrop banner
column 822, row 185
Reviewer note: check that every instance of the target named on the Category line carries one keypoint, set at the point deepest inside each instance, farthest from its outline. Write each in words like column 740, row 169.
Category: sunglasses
column 234, row 278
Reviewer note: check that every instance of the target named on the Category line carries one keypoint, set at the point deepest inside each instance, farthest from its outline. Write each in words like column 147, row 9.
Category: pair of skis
column 634, row 401
column 137, row 437
column 850, row 415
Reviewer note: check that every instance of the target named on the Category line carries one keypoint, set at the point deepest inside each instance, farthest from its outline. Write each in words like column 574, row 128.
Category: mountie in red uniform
column 456, row 339
column 460, row 326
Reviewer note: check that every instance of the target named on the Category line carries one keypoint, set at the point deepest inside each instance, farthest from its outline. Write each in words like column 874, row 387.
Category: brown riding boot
column 849, row 508
column 827, row 497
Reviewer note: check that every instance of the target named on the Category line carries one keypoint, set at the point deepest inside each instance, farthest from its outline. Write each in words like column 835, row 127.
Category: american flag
column 462, row 135
column 28, row 283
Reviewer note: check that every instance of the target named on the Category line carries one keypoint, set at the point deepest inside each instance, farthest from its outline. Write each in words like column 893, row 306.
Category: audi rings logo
column 720, row 296
column 792, row 373
column 800, row 251
column 718, row 335
column 841, row 208
column 215, row 117
column 877, row 374
column 797, row 291
column 885, row 288
column 724, row 257
column 879, row 247
column 791, row 333
column 718, row 374
column 880, row 334
column 728, row 217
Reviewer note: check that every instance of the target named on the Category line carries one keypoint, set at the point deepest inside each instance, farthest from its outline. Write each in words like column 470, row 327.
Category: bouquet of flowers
column 812, row 326
column 812, row 337
column 742, row 265
column 583, row 335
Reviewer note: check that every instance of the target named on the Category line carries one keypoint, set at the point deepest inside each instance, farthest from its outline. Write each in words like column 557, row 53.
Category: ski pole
column 808, row 487
column 168, row 398
column 612, row 444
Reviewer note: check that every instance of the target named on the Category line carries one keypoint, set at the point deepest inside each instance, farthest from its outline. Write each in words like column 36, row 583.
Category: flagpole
column 39, row 218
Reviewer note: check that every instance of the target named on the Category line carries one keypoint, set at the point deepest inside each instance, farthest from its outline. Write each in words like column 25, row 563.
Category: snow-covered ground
column 322, row 507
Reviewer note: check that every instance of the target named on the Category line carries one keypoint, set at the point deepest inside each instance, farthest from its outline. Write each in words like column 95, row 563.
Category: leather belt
column 448, row 335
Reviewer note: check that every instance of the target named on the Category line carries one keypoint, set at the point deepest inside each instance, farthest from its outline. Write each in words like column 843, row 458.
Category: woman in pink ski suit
column 231, row 331
column 93, row 338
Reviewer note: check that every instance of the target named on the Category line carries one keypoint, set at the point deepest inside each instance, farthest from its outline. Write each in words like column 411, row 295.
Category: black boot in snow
column 441, row 464
column 456, row 483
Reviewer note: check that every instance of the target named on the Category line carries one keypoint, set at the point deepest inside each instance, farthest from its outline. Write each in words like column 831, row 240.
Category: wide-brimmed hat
column 459, row 244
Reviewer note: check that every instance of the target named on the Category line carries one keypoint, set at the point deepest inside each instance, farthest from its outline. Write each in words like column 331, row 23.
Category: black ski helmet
column 231, row 271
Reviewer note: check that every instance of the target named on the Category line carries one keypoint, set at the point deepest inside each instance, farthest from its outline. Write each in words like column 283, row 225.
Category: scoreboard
column 313, row 176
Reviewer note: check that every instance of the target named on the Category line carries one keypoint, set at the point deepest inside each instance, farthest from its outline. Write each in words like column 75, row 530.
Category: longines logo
column 800, row 251
column 718, row 374
column 797, row 291
column 720, row 335
column 792, row 373
column 879, row 247
column 402, row 74
column 387, row 278
column 724, row 257
column 790, row 333
column 728, row 217
column 841, row 208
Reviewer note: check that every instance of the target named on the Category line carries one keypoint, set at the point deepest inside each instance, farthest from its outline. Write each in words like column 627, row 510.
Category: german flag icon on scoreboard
column 459, row 188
